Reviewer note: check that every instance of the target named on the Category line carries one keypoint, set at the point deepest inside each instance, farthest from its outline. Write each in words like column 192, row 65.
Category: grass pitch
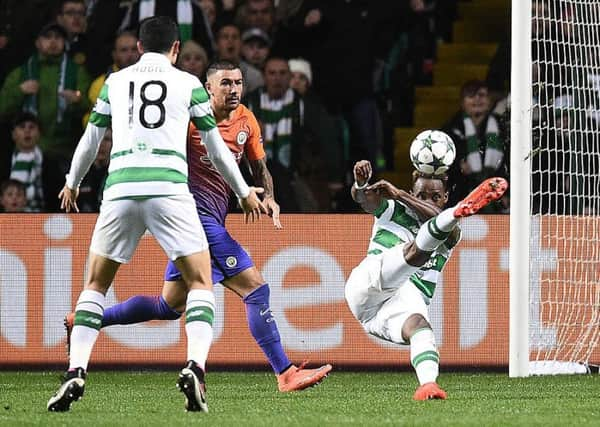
column 251, row 399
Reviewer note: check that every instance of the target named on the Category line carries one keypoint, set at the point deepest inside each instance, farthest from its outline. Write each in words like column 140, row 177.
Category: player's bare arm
column 263, row 178
column 385, row 189
column 368, row 201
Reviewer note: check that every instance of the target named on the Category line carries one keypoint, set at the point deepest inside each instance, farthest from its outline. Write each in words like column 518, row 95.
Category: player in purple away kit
column 231, row 265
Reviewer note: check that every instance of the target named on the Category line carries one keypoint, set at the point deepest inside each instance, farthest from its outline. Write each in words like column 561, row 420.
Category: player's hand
column 252, row 206
column 68, row 199
column 384, row 188
column 362, row 172
column 30, row 87
column 273, row 211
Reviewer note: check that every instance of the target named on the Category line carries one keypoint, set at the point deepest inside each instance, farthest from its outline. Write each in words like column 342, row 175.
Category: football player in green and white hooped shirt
column 149, row 105
column 390, row 290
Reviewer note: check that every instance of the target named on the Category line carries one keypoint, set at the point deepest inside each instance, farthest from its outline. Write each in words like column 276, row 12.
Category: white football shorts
column 172, row 220
column 382, row 308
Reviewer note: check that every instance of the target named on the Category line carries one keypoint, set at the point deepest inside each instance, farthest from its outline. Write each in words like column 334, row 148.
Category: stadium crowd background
column 331, row 82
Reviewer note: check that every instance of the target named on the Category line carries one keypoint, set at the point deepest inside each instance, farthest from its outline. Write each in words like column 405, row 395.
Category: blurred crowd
column 327, row 80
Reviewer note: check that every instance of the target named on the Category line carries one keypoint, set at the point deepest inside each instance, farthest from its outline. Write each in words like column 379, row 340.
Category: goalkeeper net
column 564, row 292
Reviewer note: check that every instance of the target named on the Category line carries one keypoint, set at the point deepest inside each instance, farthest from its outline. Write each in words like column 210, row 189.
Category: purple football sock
column 137, row 309
column 263, row 328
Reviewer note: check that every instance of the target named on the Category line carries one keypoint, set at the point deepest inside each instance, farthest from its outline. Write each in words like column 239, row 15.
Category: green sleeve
column 11, row 97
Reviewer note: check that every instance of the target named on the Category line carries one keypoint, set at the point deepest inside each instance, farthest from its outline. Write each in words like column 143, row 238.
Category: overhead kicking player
column 231, row 265
column 389, row 291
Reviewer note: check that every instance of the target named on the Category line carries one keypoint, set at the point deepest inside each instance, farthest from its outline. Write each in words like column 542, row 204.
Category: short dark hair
column 441, row 177
column 158, row 33
column 6, row 184
column 25, row 116
column 220, row 65
column 471, row 87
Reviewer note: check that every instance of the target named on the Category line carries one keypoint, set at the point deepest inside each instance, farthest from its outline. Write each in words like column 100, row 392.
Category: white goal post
column 520, row 147
column 555, row 187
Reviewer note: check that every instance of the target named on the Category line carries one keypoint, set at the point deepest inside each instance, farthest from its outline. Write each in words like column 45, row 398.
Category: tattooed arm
column 263, row 178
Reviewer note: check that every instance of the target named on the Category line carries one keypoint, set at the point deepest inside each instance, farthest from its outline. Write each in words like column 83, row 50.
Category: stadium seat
column 457, row 74
column 466, row 53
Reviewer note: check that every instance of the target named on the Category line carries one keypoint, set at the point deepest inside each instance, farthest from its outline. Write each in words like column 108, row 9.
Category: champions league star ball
column 432, row 152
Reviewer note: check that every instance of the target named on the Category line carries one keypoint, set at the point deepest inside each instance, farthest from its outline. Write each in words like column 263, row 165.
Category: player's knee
column 413, row 324
column 415, row 256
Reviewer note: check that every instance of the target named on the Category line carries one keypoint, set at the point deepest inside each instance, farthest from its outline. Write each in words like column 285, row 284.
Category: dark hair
column 6, row 184
column 23, row 117
column 443, row 177
column 471, row 87
column 220, row 65
column 158, row 33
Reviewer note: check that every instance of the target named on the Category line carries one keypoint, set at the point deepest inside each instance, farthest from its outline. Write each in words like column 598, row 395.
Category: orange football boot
column 488, row 191
column 296, row 378
column 429, row 391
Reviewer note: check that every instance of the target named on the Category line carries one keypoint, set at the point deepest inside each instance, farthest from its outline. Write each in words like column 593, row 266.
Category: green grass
column 251, row 399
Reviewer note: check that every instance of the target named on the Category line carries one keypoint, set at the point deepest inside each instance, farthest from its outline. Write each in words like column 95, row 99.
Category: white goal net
column 564, row 241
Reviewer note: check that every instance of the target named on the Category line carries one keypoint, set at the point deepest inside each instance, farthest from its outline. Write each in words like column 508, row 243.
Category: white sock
column 424, row 356
column 430, row 236
column 88, row 321
column 446, row 220
column 199, row 315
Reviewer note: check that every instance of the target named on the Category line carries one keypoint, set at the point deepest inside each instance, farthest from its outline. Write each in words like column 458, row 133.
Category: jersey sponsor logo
column 141, row 147
column 231, row 261
column 241, row 137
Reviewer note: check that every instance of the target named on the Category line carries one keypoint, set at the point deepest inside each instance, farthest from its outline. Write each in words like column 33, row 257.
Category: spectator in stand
column 301, row 75
column 329, row 35
column 72, row 17
column 296, row 147
column 21, row 159
column 111, row 17
column 19, row 28
column 124, row 54
column 193, row 59
column 92, row 186
column 257, row 14
column 316, row 114
column 256, row 46
column 12, row 196
column 480, row 145
column 50, row 85
column 229, row 47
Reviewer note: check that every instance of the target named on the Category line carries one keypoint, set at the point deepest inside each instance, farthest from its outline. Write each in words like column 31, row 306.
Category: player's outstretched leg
column 298, row 378
column 191, row 384
column 70, row 390
column 137, row 309
column 488, row 191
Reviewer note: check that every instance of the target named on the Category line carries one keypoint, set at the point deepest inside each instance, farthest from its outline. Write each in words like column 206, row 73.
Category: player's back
column 150, row 109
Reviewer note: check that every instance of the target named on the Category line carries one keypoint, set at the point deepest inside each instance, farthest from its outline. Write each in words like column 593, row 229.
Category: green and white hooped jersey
column 149, row 106
column 395, row 224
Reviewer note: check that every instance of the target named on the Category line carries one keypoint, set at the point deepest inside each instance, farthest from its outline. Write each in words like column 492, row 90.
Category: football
column 432, row 152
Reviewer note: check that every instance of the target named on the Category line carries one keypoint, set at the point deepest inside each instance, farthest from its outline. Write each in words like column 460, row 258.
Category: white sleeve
column 85, row 154
column 223, row 160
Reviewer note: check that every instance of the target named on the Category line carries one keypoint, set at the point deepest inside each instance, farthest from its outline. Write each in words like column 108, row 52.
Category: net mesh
column 565, row 201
